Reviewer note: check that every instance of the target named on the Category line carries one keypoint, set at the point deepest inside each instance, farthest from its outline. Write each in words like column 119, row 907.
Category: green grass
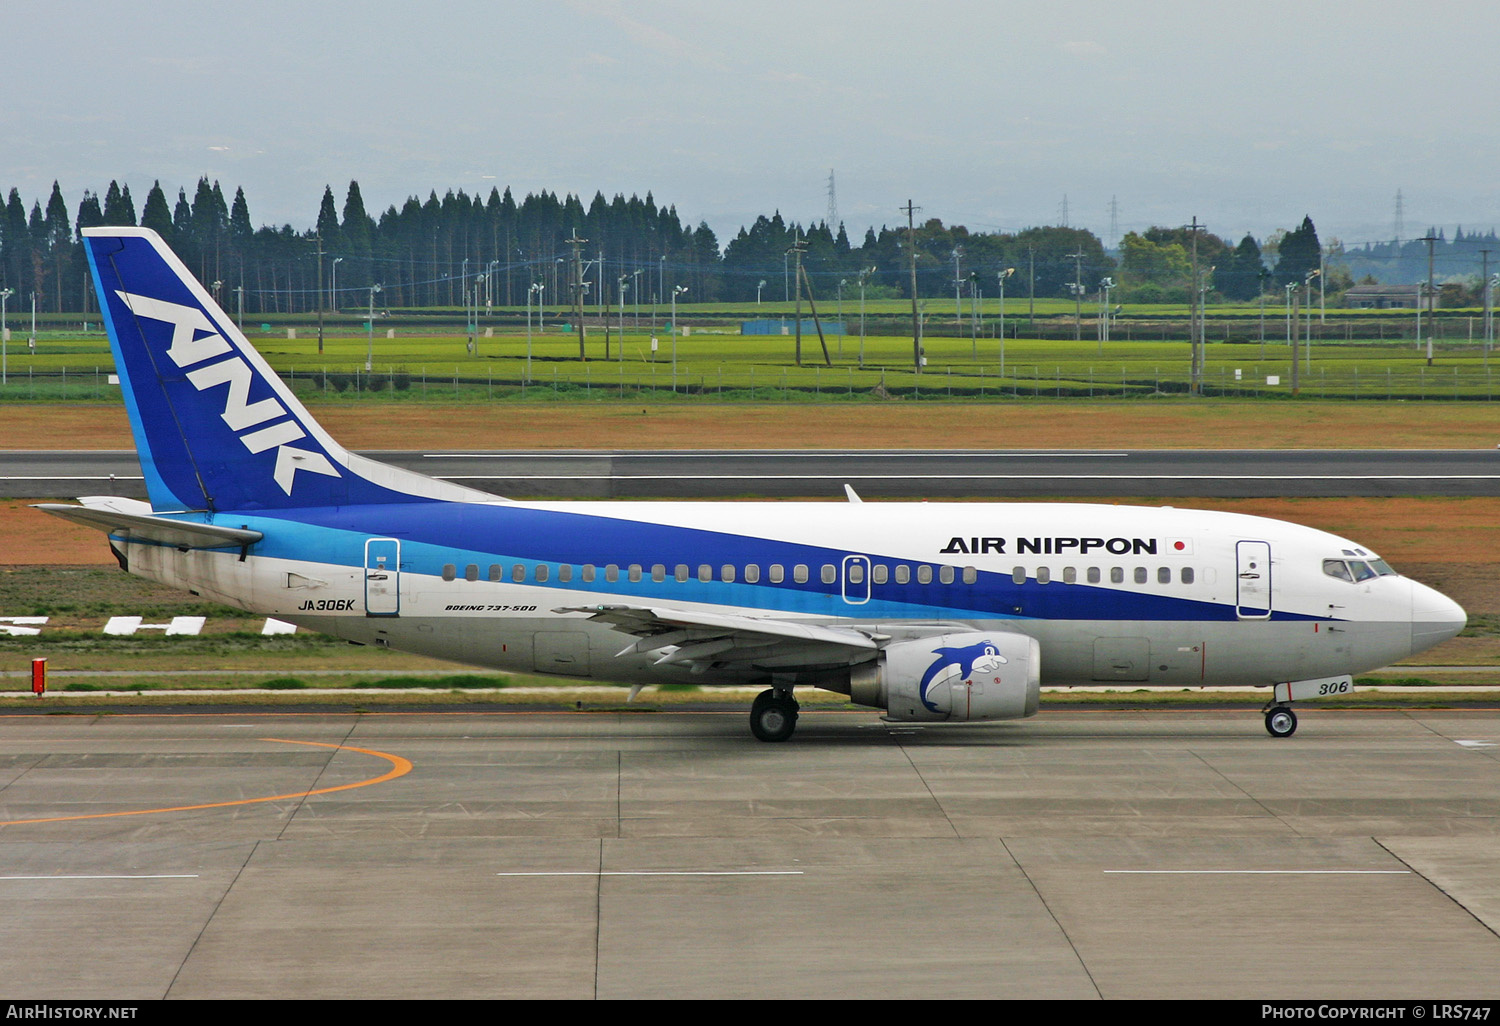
column 731, row 367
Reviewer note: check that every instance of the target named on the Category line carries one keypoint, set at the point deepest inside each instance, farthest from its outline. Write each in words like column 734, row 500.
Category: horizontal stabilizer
column 145, row 527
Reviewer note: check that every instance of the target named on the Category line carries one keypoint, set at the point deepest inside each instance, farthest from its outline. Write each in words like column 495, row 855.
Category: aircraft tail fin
column 215, row 427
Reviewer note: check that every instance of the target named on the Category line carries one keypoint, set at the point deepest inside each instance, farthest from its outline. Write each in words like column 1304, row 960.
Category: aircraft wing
column 114, row 518
column 702, row 639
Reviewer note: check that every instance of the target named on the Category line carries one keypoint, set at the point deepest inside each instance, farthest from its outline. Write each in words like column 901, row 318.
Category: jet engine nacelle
column 953, row 677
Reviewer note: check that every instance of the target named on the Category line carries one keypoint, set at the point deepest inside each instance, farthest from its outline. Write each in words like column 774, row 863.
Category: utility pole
column 1077, row 294
column 1031, row 288
column 1430, row 239
column 1195, row 386
column 320, row 293
column 1485, row 280
column 911, row 258
column 798, row 248
column 577, row 245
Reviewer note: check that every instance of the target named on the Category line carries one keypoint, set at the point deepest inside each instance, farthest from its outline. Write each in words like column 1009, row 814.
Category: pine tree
column 1299, row 254
column 157, row 215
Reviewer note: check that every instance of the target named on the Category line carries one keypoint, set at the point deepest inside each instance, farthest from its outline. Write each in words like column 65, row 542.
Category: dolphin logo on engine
column 984, row 655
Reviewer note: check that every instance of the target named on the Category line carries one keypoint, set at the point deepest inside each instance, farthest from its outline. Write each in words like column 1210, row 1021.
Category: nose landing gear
column 1281, row 721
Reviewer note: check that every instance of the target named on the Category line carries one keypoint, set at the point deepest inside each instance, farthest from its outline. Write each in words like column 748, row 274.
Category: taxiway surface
column 888, row 474
column 1083, row 854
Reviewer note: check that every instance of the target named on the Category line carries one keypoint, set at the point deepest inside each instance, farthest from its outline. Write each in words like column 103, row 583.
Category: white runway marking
column 1260, row 872
column 119, row 876
column 613, row 872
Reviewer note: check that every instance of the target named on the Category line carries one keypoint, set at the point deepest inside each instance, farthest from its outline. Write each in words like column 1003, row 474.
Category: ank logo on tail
column 195, row 340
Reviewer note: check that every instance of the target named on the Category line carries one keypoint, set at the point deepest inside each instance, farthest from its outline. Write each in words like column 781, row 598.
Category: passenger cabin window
column 1018, row 575
column 564, row 573
column 1070, row 575
column 450, row 571
column 634, row 572
column 1044, row 575
column 726, row 573
column 903, row 573
column 830, row 573
column 612, row 573
column 1117, row 575
column 1187, row 575
column 879, row 574
column 777, row 574
column 658, row 572
column 680, row 572
column 924, row 574
column 497, row 572
column 856, row 573
column 945, row 574
column 588, row 573
column 705, row 573
column 518, row 573
column 799, row 573
column 1163, row 575
column 752, row 573
column 1094, row 575
column 1140, row 575
column 541, row 573
column 970, row 575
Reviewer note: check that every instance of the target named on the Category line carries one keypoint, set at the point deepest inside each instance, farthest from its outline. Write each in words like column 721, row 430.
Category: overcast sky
column 1246, row 114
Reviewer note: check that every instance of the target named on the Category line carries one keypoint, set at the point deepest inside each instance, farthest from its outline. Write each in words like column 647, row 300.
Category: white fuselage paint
column 1340, row 627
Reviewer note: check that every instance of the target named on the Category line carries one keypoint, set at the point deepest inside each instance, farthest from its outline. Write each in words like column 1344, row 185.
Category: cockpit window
column 1355, row 570
column 1337, row 568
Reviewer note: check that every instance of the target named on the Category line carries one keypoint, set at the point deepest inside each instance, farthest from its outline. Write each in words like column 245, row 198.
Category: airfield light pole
column 239, row 295
column 842, row 333
column 958, row 284
column 676, row 291
column 1001, row 280
column 5, row 294
column 537, row 289
column 974, row 315
column 1296, row 349
column 1105, row 285
column 1307, row 285
column 370, row 332
column 1077, row 284
column 333, row 293
column 635, row 276
column 758, row 287
column 864, row 276
column 624, row 284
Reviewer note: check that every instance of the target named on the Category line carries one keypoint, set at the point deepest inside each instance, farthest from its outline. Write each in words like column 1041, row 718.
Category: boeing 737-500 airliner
column 929, row 611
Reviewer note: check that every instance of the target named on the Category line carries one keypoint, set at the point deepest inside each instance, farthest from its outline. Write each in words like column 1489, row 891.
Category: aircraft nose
column 1434, row 617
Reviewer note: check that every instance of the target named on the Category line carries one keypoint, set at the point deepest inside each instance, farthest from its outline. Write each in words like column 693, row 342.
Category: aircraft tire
column 772, row 717
column 1281, row 721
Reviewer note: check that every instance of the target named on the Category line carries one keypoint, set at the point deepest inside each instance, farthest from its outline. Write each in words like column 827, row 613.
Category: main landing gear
column 1280, row 720
column 773, row 715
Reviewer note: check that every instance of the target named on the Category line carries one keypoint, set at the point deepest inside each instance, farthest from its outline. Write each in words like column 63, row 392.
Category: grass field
column 725, row 366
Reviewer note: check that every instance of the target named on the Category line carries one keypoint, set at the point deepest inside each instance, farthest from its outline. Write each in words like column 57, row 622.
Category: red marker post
column 38, row 677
